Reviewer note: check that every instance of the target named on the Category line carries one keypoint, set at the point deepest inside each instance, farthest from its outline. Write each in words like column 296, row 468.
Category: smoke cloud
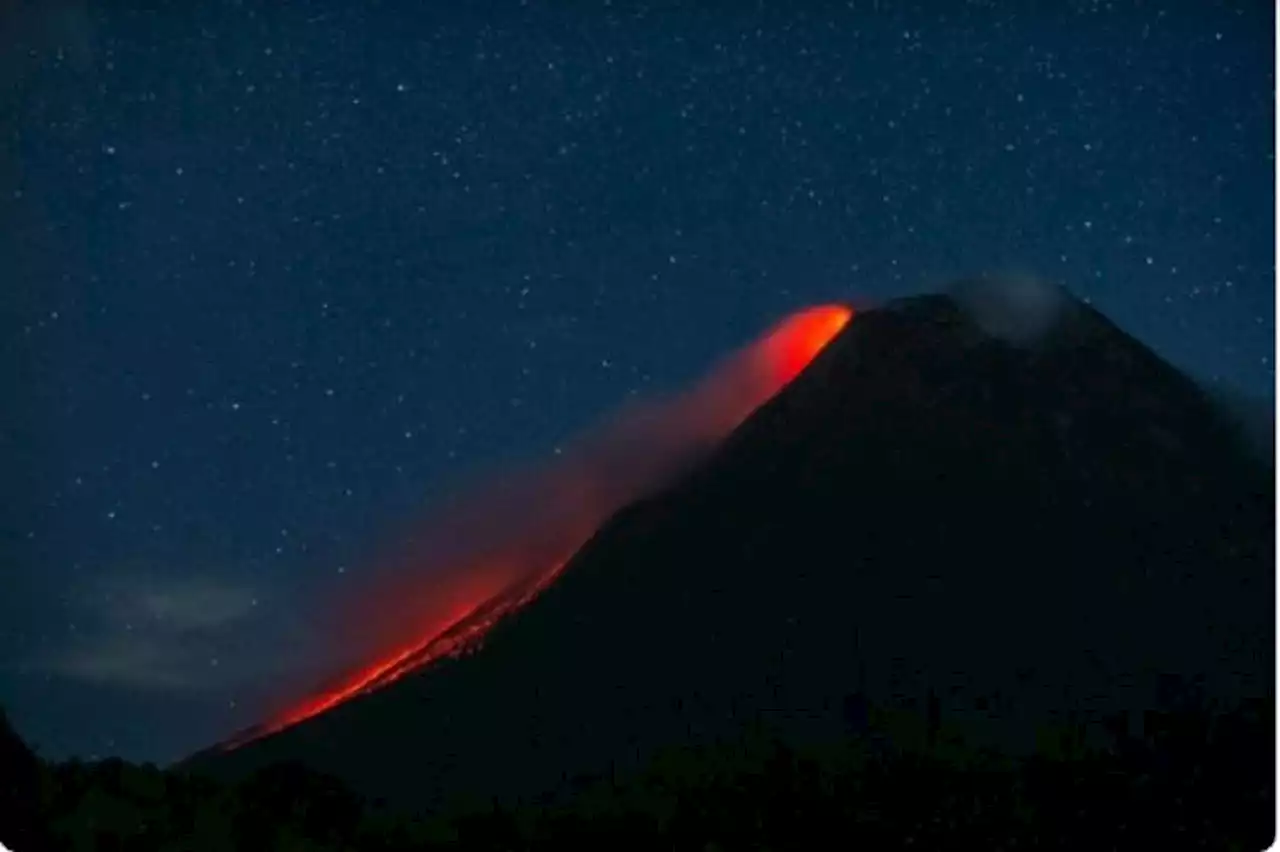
column 505, row 539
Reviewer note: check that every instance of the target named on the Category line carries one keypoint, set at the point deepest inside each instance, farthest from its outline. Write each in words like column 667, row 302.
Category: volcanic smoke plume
column 506, row 541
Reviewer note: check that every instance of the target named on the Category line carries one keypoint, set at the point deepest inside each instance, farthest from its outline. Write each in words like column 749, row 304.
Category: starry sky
column 276, row 276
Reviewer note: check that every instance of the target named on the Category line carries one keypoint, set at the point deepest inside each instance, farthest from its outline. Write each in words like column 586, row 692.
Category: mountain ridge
column 920, row 516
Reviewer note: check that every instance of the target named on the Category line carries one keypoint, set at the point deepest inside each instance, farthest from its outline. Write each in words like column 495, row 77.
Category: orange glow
column 797, row 340
column 514, row 547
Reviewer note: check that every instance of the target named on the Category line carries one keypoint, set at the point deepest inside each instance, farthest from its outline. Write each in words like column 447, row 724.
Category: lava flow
column 512, row 540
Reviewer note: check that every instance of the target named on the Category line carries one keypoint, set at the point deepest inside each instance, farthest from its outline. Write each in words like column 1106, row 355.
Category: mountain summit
column 989, row 505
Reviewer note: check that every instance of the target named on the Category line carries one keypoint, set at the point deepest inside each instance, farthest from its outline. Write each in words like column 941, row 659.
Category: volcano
column 498, row 553
column 989, row 502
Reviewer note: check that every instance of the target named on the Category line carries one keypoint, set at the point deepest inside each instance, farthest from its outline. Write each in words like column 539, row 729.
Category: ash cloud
column 514, row 527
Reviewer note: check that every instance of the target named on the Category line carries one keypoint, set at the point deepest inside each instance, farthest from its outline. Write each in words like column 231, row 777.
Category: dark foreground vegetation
column 1190, row 779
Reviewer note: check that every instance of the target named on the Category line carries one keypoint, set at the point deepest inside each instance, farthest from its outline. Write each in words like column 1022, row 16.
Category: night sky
column 277, row 277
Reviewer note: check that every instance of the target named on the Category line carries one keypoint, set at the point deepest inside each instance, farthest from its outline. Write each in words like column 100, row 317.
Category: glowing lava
column 795, row 342
column 507, row 561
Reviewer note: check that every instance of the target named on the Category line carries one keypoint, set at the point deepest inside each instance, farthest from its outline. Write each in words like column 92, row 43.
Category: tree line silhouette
column 1190, row 777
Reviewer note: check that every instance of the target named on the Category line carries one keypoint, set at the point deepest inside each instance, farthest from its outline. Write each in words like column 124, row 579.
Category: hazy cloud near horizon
column 165, row 634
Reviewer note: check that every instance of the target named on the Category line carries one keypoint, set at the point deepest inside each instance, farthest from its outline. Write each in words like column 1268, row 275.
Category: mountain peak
column 1022, row 310
column 990, row 495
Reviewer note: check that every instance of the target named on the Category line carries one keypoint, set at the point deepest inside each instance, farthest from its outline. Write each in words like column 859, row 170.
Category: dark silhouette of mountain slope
column 989, row 506
column 20, row 788
column 1254, row 418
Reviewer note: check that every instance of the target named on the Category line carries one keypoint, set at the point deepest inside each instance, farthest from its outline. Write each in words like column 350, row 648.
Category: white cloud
column 172, row 634
column 131, row 661
column 195, row 604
